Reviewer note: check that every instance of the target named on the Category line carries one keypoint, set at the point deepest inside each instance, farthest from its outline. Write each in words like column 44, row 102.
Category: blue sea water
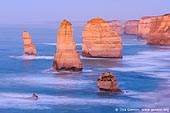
column 143, row 74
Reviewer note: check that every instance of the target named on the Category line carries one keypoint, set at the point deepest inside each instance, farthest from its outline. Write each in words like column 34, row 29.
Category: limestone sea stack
column 29, row 47
column 107, row 82
column 66, row 57
column 117, row 26
column 99, row 40
column 131, row 27
column 159, row 31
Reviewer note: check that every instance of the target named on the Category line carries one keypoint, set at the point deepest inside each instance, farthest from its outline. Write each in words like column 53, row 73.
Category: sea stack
column 100, row 40
column 107, row 82
column 29, row 47
column 131, row 27
column 66, row 57
column 117, row 26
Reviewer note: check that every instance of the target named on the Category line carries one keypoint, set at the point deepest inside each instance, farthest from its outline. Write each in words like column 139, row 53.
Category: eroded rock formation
column 155, row 29
column 66, row 57
column 117, row 26
column 99, row 40
column 107, row 82
column 29, row 47
column 131, row 27
column 144, row 27
column 159, row 31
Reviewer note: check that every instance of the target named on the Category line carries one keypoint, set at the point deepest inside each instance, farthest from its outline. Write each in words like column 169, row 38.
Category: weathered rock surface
column 107, row 82
column 144, row 27
column 66, row 57
column 29, row 47
column 131, row 27
column 159, row 31
column 117, row 26
column 99, row 40
column 155, row 29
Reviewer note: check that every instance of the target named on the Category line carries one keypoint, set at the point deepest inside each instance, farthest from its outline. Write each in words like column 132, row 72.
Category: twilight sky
column 23, row 11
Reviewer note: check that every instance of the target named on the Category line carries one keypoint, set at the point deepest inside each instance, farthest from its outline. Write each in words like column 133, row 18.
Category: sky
column 25, row 11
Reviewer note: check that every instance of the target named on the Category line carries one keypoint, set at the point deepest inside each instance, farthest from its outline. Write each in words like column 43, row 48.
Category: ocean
column 143, row 74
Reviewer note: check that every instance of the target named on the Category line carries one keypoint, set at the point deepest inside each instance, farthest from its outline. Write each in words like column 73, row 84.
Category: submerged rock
column 33, row 97
column 131, row 27
column 29, row 47
column 99, row 40
column 117, row 26
column 66, row 58
column 107, row 82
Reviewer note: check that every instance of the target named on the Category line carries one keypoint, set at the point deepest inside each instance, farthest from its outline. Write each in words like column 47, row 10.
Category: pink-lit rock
column 99, row 40
column 66, row 57
column 107, row 82
column 29, row 47
column 117, row 26
column 131, row 27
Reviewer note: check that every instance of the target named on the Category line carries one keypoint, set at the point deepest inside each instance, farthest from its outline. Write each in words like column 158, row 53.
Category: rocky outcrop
column 33, row 97
column 159, row 31
column 29, row 47
column 131, row 27
column 117, row 26
column 144, row 27
column 107, row 82
column 99, row 40
column 66, row 57
column 155, row 29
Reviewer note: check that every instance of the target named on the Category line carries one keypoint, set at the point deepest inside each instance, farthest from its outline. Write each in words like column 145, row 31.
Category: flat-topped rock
column 29, row 47
column 99, row 40
column 117, row 26
column 66, row 57
column 131, row 27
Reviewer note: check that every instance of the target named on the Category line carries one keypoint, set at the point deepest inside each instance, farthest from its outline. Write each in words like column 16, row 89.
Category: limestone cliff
column 159, row 31
column 99, row 40
column 29, row 47
column 155, row 29
column 117, row 26
column 144, row 27
column 66, row 57
column 131, row 27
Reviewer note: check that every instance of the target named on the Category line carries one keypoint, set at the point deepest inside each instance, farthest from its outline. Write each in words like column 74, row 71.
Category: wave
column 81, row 57
column 46, row 81
column 26, row 57
column 87, row 70
column 17, row 101
column 54, row 44
column 153, row 63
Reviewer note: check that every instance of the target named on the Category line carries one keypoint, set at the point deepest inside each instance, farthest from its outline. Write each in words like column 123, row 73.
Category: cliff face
column 131, row 27
column 99, row 40
column 29, row 47
column 144, row 27
column 117, row 26
column 159, row 31
column 155, row 29
column 66, row 57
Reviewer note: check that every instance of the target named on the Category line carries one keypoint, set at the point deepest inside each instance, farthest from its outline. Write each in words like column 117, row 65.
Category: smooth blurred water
column 143, row 74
